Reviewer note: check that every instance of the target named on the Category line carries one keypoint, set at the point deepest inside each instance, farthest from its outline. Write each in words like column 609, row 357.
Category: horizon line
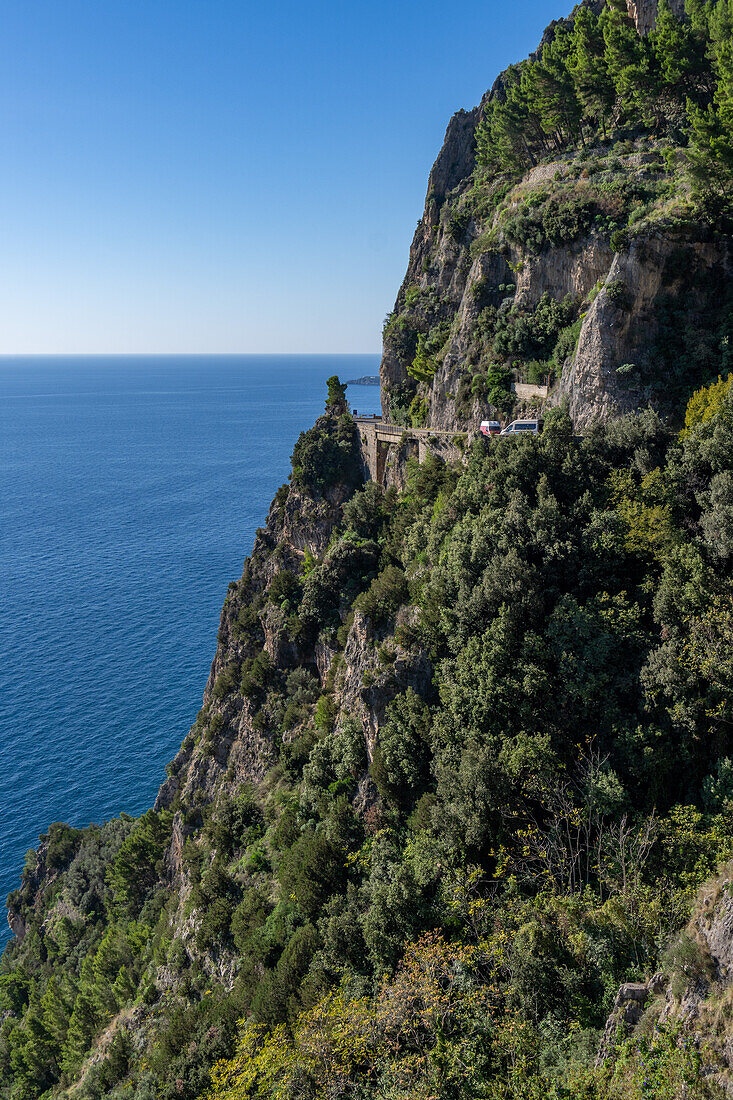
column 181, row 354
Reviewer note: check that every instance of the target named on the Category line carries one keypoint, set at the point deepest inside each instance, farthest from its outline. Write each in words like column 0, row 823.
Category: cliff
column 600, row 232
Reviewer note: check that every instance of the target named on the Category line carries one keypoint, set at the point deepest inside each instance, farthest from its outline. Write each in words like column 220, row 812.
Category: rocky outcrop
column 606, row 376
column 463, row 263
column 627, row 1011
column 16, row 924
column 572, row 270
column 369, row 683
column 453, row 167
column 644, row 12
column 693, row 992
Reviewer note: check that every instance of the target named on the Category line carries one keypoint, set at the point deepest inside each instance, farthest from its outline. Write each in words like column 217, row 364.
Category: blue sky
column 221, row 176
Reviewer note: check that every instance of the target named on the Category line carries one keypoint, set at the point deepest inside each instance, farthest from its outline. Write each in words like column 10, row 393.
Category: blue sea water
column 130, row 493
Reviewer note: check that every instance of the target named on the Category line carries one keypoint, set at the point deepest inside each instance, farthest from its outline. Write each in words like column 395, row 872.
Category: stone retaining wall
column 387, row 448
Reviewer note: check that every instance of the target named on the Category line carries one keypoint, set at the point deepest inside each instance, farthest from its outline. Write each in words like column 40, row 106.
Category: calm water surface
column 130, row 493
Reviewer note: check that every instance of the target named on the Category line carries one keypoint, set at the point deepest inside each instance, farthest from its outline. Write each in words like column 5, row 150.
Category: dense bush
column 332, row 585
column 327, row 453
column 285, row 589
column 427, row 352
column 256, row 675
column 534, row 333
column 63, row 843
column 555, row 219
column 384, row 596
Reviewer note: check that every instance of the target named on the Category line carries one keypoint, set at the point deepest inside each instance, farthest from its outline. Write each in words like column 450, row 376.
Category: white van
column 517, row 426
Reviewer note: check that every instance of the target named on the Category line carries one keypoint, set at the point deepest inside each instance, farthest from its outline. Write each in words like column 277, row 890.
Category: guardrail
column 397, row 430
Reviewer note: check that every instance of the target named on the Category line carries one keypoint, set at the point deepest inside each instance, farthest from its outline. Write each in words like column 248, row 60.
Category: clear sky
column 224, row 175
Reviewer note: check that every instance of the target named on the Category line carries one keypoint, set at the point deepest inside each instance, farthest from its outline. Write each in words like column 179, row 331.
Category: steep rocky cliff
column 604, row 228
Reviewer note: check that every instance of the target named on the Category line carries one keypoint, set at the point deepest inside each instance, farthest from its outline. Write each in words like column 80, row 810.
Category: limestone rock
column 627, row 1011
column 614, row 335
column 644, row 12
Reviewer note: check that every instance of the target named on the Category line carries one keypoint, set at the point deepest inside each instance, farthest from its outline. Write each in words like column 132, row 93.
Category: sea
column 131, row 489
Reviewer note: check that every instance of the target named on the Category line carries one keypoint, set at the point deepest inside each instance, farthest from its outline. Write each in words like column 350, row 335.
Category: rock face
column 644, row 12
column 689, row 995
column 462, row 263
column 366, row 688
column 623, row 322
column 627, row 1011
column 714, row 925
column 572, row 270
column 454, row 164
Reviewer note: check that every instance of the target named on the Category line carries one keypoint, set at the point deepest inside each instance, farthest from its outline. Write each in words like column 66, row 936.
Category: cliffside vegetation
column 448, row 908
column 597, row 74
column 466, row 752
column 601, row 141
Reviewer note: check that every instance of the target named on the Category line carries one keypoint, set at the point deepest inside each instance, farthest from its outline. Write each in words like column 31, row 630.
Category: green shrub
column 311, row 870
column 226, row 682
column 257, row 675
column 533, row 334
column 687, row 962
column 215, row 922
column 138, row 863
column 63, row 844
column 401, row 759
column 327, row 453
column 555, row 219
column 567, row 342
column 617, row 292
column 498, row 380
column 285, row 590
column 385, row 595
column 247, row 624
column 427, row 352
column 367, row 511
column 237, row 822
column 419, row 411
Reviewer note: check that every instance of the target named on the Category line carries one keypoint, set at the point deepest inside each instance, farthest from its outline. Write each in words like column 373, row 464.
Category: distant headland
column 365, row 380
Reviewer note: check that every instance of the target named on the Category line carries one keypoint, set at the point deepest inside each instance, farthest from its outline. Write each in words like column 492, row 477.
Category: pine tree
column 587, row 65
column 83, row 1023
column 696, row 12
column 56, row 1007
column 676, row 49
column 710, row 159
column 536, row 96
column 553, row 99
column 724, row 81
column 501, row 139
column 627, row 57
column 710, row 155
column 35, row 1051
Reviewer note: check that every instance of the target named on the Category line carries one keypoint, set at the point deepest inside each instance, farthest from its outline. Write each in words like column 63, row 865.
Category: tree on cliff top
column 336, row 393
